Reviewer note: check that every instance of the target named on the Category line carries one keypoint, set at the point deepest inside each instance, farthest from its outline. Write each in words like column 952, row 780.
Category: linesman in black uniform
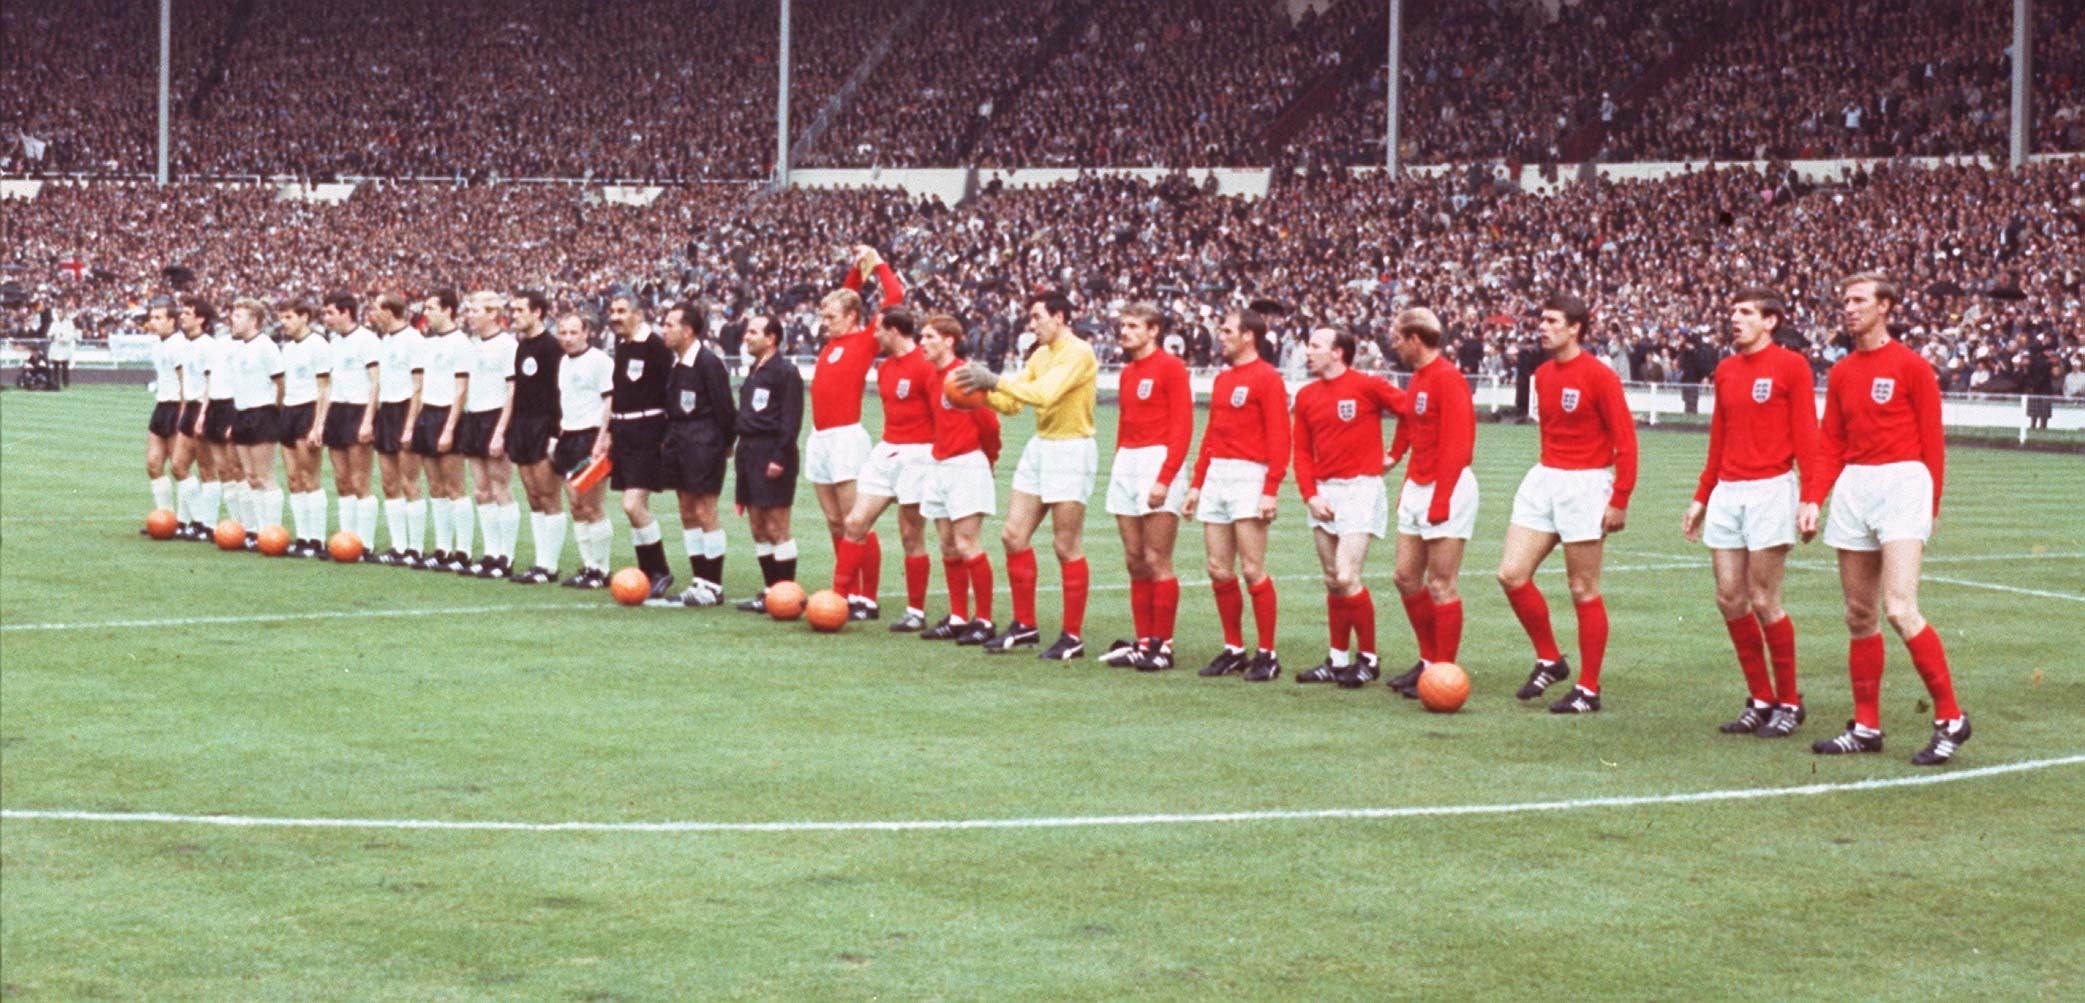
column 770, row 415
column 532, row 427
column 636, row 431
column 700, row 425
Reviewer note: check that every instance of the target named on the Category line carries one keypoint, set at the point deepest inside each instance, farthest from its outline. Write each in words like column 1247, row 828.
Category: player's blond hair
column 1421, row 323
column 847, row 300
column 254, row 308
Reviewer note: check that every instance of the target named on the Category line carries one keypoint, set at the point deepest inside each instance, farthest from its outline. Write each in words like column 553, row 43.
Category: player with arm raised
column 1437, row 508
column 896, row 471
column 1747, row 503
column 839, row 445
column 1883, row 458
column 1154, row 431
column 1576, row 494
column 959, row 491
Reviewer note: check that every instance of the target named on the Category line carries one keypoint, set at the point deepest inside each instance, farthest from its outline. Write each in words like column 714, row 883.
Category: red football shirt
column 1586, row 423
column 1248, row 420
column 958, row 431
column 1882, row 406
column 1764, row 423
column 1158, row 409
column 843, row 364
column 1338, row 428
column 908, row 385
column 1440, row 430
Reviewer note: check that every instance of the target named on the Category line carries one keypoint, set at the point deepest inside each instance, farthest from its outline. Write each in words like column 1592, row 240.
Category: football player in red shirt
column 1245, row 453
column 1746, row 504
column 1145, row 490
column 1338, row 444
column 897, row 467
column 1434, row 523
column 1577, row 494
column 839, row 446
column 959, row 491
column 1883, row 457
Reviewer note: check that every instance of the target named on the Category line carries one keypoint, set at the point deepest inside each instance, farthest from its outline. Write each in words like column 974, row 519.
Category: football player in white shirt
column 479, row 434
column 431, row 429
column 163, row 431
column 346, row 418
column 257, row 385
column 307, row 376
column 224, row 485
column 398, row 391
column 585, row 380
column 191, row 464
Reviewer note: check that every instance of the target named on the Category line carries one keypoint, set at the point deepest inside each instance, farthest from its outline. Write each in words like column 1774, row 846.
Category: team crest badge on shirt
column 759, row 398
column 1238, row 395
column 1762, row 388
column 1144, row 389
column 1882, row 389
column 904, row 389
column 1346, row 410
column 1419, row 402
column 528, row 367
column 834, row 355
column 1570, row 399
column 635, row 369
column 688, row 401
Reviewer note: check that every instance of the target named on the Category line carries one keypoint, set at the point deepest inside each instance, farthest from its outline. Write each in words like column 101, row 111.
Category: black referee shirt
column 642, row 369
column 771, row 401
column 699, row 395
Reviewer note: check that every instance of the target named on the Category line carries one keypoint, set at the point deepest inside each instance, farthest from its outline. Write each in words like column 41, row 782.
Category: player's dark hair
column 901, row 320
column 538, row 303
column 1252, row 322
column 948, row 327
column 160, row 303
column 769, row 324
column 201, row 308
column 1574, row 310
column 1053, row 303
column 1342, row 341
column 1768, row 301
column 447, row 298
column 1885, row 290
column 692, row 318
column 300, row 306
column 342, row 301
column 393, row 304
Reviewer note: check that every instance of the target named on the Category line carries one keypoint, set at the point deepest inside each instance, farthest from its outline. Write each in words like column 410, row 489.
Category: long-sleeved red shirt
column 1158, row 409
column 1338, row 428
column 1765, row 421
column 1586, row 423
column 1440, row 430
column 909, row 387
column 1248, row 420
column 843, row 364
column 959, row 431
column 1881, row 406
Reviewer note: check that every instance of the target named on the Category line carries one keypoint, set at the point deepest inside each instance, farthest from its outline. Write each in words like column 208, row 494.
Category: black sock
column 770, row 573
column 785, row 571
column 651, row 557
column 695, row 564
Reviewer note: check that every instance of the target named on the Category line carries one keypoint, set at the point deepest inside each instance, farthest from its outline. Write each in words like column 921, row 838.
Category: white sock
column 1338, row 659
column 365, row 520
column 713, row 543
column 643, row 535
column 235, row 498
column 350, row 515
column 691, row 542
column 786, row 550
column 308, row 511
column 510, row 529
column 763, row 549
column 185, row 498
column 162, row 493
column 396, row 523
column 270, row 508
column 596, row 539
column 415, row 523
column 209, row 496
column 550, row 541
column 444, row 512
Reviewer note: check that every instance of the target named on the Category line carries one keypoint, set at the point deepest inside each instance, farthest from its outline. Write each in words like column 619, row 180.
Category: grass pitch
column 147, row 677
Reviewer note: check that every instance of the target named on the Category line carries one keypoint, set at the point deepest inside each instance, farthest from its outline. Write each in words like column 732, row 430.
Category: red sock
column 981, row 584
column 1750, row 643
column 958, row 574
column 847, row 562
column 919, row 569
column 1140, row 606
column 1361, row 612
column 872, row 566
column 1864, row 658
column 1077, row 576
column 1418, row 608
column 1930, row 659
column 1533, row 612
column 1780, row 646
column 1447, row 629
column 1263, row 610
column 1337, row 625
column 1165, row 607
column 1020, row 579
column 1230, row 608
column 1592, row 642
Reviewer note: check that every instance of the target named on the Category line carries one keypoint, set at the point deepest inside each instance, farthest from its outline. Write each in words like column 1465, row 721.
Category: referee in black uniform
column 534, row 423
column 770, row 416
column 636, row 431
column 700, row 424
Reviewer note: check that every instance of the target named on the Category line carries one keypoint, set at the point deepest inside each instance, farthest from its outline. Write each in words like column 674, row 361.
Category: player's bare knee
column 1219, row 573
column 1342, row 584
column 1408, row 582
column 1513, row 578
column 1583, row 592
column 1444, row 590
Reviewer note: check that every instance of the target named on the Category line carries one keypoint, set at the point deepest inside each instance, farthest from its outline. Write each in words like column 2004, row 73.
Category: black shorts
column 296, row 422
column 217, row 424
column 528, row 438
column 474, row 433
column 755, row 488
column 343, row 425
column 389, row 426
column 633, row 447
column 574, row 448
column 166, row 419
column 256, row 425
column 692, row 461
column 427, row 432
column 186, row 424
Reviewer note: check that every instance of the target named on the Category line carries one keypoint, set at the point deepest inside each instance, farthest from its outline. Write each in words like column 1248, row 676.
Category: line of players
column 661, row 412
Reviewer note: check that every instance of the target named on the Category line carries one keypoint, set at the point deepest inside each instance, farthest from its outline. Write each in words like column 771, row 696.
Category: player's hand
column 600, row 447
column 971, row 376
column 1320, row 509
column 497, row 448
column 1187, row 504
column 446, row 443
column 1269, row 505
column 774, row 470
column 365, row 435
column 1806, row 520
column 1690, row 522
column 1614, row 520
column 1391, row 460
column 1155, row 499
column 312, row 440
column 405, row 438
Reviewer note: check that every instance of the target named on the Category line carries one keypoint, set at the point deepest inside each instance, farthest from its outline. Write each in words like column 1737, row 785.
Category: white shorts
column 1752, row 515
column 1359, row 505
column 1880, row 503
column 1232, row 491
column 960, row 486
column 1569, row 503
column 897, row 470
column 1135, row 471
column 835, row 455
column 1416, row 501
column 1057, row 470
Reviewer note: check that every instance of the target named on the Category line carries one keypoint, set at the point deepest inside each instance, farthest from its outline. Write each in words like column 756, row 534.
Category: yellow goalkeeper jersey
column 1058, row 383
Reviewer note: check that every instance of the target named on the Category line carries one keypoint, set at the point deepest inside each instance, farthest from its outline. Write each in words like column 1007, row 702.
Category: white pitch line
column 2068, row 596
column 1045, row 822
column 347, row 614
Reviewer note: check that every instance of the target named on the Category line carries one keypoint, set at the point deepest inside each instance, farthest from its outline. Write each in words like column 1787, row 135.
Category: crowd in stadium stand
column 1992, row 263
